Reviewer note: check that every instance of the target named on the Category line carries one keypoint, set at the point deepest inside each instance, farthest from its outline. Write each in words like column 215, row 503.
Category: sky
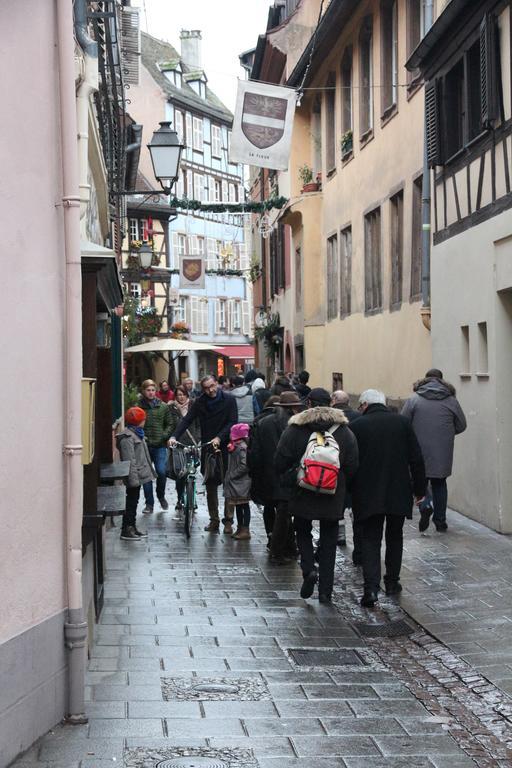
column 228, row 28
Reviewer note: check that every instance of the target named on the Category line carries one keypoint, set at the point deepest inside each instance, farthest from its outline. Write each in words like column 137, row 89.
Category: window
column 466, row 365
column 236, row 317
column 217, row 191
column 372, row 262
column 134, row 230
column 415, row 32
column 188, row 126
column 198, row 315
column 221, row 316
column 144, row 230
column 135, row 290
column 345, row 271
column 483, row 349
column 346, row 101
column 389, row 55
column 216, row 141
column 198, row 187
column 179, row 248
column 332, row 277
column 200, row 246
column 180, row 311
column 298, row 278
column 464, row 102
column 197, row 133
column 397, row 247
column 277, row 259
column 232, row 193
column 178, row 124
column 211, row 253
column 330, row 123
column 225, row 197
column 416, row 239
column 366, row 77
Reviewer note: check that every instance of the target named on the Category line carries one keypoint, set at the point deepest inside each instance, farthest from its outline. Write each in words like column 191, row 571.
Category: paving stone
column 282, row 726
column 127, row 693
column 101, row 748
column 337, row 746
column 389, row 762
column 105, row 709
column 242, row 709
column 297, row 762
column 386, row 708
column 153, row 709
column 261, row 746
column 341, row 726
column 334, row 708
column 340, row 692
column 128, row 727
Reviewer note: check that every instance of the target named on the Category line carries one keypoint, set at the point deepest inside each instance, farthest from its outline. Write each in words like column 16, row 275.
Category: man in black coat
column 305, row 505
column 216, row 412
column 391, row 474
column 274, row 491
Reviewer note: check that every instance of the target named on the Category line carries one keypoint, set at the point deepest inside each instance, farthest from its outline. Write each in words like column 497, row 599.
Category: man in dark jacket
column 391, row 470
column 302, row 385
column 258, row 482
column 305, row 505
column 216, row 412
column 436, row 417
column 275, row 492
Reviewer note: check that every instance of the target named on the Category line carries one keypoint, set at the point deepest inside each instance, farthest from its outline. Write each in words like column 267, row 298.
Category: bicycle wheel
column 189, row 504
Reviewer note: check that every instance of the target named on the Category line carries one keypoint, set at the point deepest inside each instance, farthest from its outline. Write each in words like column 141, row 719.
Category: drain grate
column 192, row 762
column 189, row 757
column 332, row 657
column 214, row 689
column 390, row 629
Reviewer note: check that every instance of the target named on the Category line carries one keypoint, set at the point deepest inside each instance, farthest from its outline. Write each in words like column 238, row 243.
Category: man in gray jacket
column 436, row 417
column 243, row 395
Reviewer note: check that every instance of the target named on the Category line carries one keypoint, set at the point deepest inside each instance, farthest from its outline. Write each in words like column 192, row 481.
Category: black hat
column 319, row 396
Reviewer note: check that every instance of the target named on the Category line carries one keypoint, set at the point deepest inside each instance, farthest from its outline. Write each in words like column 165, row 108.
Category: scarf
column 183, row 409
column 139, row 431
column 213, row 402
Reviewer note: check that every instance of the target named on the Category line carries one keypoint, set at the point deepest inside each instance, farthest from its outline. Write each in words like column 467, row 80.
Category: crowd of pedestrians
column 301, row 455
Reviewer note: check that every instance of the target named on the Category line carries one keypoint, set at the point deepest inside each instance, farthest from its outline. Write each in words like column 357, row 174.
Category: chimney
column 191, row 48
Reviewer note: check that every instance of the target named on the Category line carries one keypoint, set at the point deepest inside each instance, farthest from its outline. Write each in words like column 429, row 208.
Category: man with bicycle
column 216, row 412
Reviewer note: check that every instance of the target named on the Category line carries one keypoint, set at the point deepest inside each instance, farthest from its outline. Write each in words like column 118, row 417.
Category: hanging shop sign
column 262, row 126
column 192, row 272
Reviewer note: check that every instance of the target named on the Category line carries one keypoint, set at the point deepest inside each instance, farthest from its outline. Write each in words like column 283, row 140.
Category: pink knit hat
column 239, row 432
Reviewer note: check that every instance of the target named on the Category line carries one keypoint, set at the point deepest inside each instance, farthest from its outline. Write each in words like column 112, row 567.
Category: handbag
column 213, row 466
column 176, row 463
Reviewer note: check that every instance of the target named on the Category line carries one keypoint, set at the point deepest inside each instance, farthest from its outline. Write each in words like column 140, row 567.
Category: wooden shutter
column 203, row 314
column 246, row 318
column 211, row 189
column 194, row 314
column 244, row 258
column 188, row 127
column 229, row 313
column 224, row 191
column 432, row 123
column 193, row 245
column 187, row 313
column 175, row 251
column 217, row 315
column 488, row 70
column 130, row 45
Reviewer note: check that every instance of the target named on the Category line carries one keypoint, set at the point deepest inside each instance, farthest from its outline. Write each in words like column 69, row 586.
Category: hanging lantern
column 265, row 226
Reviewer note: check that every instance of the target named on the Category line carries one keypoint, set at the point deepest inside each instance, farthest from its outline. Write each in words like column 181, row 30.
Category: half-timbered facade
column 466, row 62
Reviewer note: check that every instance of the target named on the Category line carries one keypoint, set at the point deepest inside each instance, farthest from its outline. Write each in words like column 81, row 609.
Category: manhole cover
column 325, row 658
column 390, row 629
column 215, row 688
column 192, row 762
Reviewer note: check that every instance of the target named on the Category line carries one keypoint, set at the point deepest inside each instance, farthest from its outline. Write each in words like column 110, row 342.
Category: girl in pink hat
column 237, row 483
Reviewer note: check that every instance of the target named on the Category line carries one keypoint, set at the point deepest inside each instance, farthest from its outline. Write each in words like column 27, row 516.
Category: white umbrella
column 172, row 345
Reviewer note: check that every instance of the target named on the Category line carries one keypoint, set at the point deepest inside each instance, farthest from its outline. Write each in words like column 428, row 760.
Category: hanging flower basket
column 180, row 330
column 147, row 321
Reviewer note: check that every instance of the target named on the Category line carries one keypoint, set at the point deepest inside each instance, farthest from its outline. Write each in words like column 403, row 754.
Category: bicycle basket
column 176, row 463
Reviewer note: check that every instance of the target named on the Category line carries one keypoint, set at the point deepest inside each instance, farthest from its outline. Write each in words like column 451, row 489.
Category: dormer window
column 197, row 81
column 173, row 72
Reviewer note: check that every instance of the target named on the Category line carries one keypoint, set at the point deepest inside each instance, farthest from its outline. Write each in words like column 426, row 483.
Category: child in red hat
column 133, row 448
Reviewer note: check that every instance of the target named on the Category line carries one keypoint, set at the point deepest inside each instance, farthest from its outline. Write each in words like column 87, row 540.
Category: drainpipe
column 88, row 86
column 425, row 203
column 75, row 628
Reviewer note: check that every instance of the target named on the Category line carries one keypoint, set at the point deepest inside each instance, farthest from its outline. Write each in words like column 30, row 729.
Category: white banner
column 192, row 273
column 262, row 126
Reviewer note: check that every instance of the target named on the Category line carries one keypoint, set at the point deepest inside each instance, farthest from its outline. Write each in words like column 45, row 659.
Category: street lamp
column 165, row 150
column 145, row 254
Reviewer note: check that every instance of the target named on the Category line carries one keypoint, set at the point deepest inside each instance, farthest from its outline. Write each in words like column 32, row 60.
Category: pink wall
column 31, row 321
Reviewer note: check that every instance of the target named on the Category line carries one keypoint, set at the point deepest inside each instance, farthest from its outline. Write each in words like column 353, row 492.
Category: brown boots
column 242, row 534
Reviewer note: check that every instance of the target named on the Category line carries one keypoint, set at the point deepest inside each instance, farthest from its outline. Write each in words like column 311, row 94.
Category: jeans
column 326, row 553
column 159, row 458
column 243, row 515
column 283, row 536
column 132, row 499
column 372, row 529
column 437, row 495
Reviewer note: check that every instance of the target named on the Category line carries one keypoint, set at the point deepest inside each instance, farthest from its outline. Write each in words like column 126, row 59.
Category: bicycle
column 192, row 462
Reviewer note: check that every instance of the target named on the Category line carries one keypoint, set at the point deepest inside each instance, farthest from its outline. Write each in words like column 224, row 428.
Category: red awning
column 237, row 352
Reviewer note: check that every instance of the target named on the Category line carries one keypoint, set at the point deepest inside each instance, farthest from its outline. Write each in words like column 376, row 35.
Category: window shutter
column 193, row 245
column 194, row 314
column 432, row 124
column 246, row 318
column 175, row 251
column 130, row 45
column 211, row 189
column 211, row 253
column 187, row 314
column 244, row 258
column 203, row 305
column 217, row 316
column 488, row 70
column 229, row 312
column 224, row 191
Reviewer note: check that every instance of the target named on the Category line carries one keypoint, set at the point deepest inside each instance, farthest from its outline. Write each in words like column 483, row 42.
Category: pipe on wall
column 75, row 629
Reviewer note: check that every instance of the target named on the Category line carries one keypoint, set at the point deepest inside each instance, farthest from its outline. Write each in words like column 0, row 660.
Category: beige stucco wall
column 467, row 272
column 391, row 349
column 32, row 322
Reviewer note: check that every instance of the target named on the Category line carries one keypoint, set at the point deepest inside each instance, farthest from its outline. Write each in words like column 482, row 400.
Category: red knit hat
column 135, row 416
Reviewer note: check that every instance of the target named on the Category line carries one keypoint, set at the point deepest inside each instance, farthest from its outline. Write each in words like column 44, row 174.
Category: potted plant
column 347, row 143
column 180, row 330
column 306, row 176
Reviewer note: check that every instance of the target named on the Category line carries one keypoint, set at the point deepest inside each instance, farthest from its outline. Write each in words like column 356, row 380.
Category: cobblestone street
column 199, row 659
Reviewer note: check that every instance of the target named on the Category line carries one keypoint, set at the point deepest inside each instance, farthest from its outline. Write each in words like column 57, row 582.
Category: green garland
column 250, row 207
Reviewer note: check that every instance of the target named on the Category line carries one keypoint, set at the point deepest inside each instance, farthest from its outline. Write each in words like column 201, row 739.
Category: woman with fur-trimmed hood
column 306, row 506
